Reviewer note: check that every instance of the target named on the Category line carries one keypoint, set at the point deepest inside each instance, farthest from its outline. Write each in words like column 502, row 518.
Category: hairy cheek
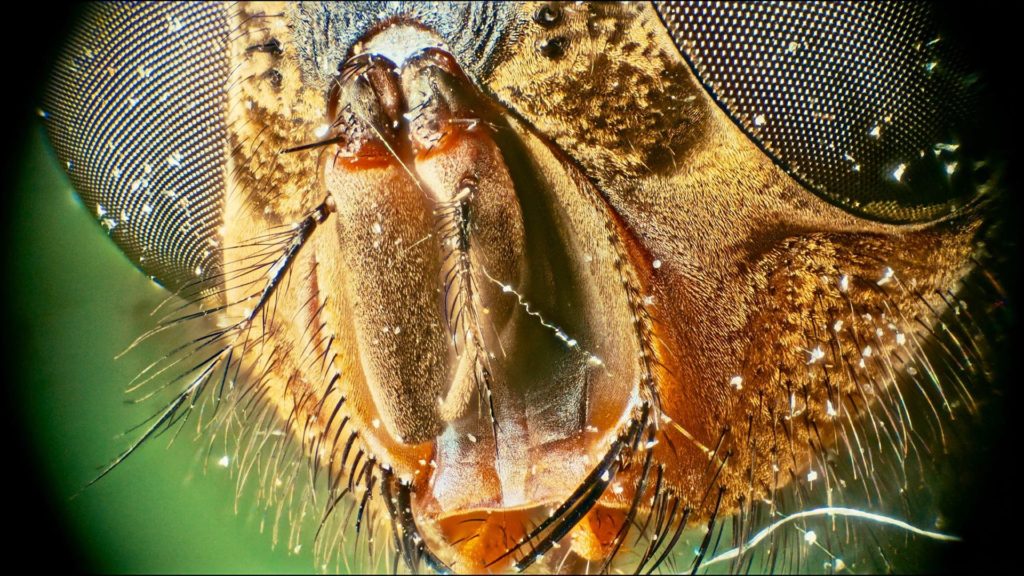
column 823, row 328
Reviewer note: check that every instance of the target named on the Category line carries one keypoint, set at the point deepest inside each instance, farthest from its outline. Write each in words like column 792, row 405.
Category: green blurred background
column 77, row 303
column 73, row 302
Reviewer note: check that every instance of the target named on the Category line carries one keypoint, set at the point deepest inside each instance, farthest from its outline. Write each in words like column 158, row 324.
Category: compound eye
column 135, row 112
column 863, row 103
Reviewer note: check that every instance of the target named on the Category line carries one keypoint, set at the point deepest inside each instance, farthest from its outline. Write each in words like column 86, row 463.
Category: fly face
column 542, row 285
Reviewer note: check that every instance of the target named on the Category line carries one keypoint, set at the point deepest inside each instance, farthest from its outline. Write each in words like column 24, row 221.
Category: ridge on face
column 446, row 251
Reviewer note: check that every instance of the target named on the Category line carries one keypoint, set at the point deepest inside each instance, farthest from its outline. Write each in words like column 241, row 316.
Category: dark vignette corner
column 985, row 493
column 34, row 521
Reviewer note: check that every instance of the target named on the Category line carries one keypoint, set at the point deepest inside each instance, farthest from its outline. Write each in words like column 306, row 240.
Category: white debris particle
column 810, row 537
column 887, row 275
column 792, row 404
column 321, row 130
column 617, row 488
column 837, row 326
column 100, row 211
column 591, row 428
column 656, row 264
column 736, row 382
column 199, row 271
column 175, row 159
column 147, row 208
column 224, row 461
column 592, row 359
column 911, row 370
column 812, row 475
column 830, row 409
column 174, row 24
column 897, row 174
column 124, row 215
column 951, row 168
column 297, row 549
column 605, row 476
column 876, row 132
column 648, row 300
column 867, row 351
column 816, row 354
column 472, row 438
column 901, row 338
column 375, row 422
column 840, row 565
column 759, row 120
column 792, row 47
column 853, row 161
column 375, row 228
column 844, row 283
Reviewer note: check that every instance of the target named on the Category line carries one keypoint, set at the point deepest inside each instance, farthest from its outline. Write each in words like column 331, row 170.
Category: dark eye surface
column 868, row 105
column 113, row 382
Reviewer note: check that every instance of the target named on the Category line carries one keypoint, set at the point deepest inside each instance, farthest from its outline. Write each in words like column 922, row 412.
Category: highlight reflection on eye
column 570, row 287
